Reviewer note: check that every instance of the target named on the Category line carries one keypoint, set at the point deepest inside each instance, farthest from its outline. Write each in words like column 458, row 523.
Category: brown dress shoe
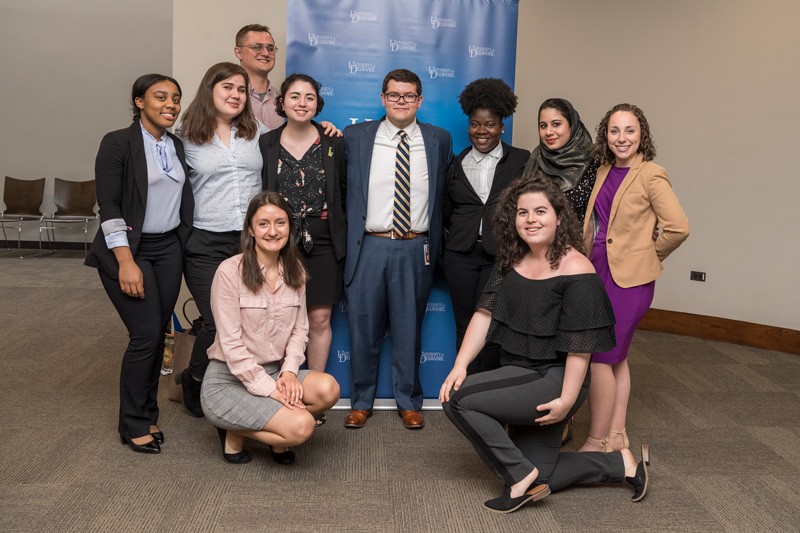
column 357, row 418
column 412, row 419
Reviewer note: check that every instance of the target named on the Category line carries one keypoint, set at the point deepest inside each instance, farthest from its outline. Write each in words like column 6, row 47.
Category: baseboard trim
column 46, row 246
column 723, row 329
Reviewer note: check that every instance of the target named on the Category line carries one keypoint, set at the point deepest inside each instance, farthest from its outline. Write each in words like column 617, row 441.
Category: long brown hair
column 646, row 145
column 511, row 248
column 200, row 119
column 294, row 275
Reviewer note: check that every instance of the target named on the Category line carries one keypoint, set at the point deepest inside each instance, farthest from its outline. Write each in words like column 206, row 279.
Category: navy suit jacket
column 463, row 209
column 359, row 141
column 121, row 179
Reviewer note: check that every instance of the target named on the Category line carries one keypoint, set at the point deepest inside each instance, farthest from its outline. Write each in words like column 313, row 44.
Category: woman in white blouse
column 221, row 139
column 253, row 386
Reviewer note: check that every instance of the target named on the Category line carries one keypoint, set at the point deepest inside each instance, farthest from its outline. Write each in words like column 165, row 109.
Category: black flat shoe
column 640, row 481
column 149, row 447
column 507, row 504
column 233, row 458
column 158, row 436
column 190, row 388
column 284, row 458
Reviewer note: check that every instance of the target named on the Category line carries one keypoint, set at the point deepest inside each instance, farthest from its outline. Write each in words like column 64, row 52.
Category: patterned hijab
column 568, row 164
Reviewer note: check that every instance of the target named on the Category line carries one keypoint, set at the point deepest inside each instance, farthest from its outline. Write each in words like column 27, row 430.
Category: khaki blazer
column 644, row 198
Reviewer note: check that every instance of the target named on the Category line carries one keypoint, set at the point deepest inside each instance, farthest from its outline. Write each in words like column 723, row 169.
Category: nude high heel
column 625, row 442
column 599, row 442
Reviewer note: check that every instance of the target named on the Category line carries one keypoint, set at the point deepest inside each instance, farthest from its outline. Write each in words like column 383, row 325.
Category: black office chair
column 23, row 199
column 75, row 201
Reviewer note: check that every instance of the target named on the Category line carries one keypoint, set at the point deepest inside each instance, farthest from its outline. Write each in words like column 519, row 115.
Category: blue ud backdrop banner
column 349, row 46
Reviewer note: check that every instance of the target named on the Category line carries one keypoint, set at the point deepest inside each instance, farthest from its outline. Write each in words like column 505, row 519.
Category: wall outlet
column 697, row 276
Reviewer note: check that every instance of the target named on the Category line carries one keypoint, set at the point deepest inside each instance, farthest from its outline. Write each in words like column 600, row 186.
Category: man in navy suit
column 394, row 230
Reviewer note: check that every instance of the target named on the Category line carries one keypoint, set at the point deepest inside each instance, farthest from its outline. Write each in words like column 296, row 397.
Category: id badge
column 426, row 251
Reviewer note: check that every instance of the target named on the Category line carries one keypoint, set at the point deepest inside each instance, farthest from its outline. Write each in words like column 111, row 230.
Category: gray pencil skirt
column 229, row 405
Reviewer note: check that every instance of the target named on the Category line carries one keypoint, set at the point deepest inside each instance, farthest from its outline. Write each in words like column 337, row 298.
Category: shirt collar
column 410, row 130
column 148, row 135
column 496, row 153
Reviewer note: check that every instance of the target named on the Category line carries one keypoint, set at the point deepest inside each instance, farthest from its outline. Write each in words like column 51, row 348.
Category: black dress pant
column 509, row 395
column 205, row 250
column 160, row 259
column 466, row 274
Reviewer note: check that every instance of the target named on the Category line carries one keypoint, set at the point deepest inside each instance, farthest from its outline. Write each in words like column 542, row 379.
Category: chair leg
column 86, row 238
column 46, row 227
column 5, row 238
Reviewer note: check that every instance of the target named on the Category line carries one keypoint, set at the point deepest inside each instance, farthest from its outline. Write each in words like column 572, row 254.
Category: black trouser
column 510, row 394
column 205, row 250
column 160, row 259
column 466, row 274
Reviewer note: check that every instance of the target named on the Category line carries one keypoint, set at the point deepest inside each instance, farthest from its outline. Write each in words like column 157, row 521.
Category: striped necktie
column 401, row 214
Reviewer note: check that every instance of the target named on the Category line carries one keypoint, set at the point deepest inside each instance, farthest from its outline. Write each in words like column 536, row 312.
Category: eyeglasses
column 271, row 48
column 408, row 98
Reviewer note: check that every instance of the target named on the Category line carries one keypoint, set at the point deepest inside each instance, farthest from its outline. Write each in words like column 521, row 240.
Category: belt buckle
column 394, row 235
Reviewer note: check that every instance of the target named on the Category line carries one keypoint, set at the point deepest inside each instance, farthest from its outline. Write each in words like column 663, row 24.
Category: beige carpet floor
column 723, row 422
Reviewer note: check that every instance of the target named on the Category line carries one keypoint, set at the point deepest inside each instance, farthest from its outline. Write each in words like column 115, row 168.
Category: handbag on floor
column 184, row 342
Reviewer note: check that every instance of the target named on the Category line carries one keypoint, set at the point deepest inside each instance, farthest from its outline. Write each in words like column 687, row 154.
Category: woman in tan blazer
column 631, row 196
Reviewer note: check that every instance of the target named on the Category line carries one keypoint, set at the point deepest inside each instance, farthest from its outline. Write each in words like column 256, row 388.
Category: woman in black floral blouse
column 308, row 169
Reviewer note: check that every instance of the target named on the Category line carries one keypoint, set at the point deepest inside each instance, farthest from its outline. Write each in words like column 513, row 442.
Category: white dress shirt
column 380, row 198
column 479, row 169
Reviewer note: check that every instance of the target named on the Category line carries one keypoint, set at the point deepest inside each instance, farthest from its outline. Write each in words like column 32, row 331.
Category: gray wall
column 67, row 71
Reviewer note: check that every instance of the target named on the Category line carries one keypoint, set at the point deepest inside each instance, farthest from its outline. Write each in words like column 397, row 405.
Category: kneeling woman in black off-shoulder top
column 547, row 309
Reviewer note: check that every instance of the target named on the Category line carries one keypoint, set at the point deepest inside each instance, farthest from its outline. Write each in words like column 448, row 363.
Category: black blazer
column 463, row 208
column 335, row 165
column 120, row 171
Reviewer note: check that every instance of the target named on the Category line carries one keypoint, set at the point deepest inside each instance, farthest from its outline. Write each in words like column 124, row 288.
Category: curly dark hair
column 646, row 146
column 511, row 248
column 488, row 93
column 288, row 83
column 294, row 275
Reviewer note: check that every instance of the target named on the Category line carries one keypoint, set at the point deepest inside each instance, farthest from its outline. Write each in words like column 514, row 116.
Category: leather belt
column 392, row 234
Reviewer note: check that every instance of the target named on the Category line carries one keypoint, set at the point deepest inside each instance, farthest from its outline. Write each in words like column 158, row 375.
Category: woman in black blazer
column 309, row 170
column 146, row 212
column 475, row 180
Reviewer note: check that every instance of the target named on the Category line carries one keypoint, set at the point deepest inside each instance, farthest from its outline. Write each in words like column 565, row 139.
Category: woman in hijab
column 565, row 153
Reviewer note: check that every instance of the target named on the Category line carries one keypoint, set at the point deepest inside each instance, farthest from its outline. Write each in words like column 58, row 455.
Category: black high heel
column 148, row 447
column 283, row 458
column 158, row 436
column 233, row 458
column 640, row 480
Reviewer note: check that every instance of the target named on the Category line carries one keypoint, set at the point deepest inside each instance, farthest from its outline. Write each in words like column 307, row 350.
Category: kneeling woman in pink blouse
column 253, row 386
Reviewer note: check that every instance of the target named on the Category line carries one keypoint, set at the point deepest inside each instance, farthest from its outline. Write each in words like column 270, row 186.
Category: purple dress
column 629, row 304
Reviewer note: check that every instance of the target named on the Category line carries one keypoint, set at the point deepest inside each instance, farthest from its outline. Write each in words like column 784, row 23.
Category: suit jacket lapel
column 626, row 182
column 271, row 161
column 139, row 160
column 498, row 171
column 431, row 154
column 328, row 163
column 365, row 146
